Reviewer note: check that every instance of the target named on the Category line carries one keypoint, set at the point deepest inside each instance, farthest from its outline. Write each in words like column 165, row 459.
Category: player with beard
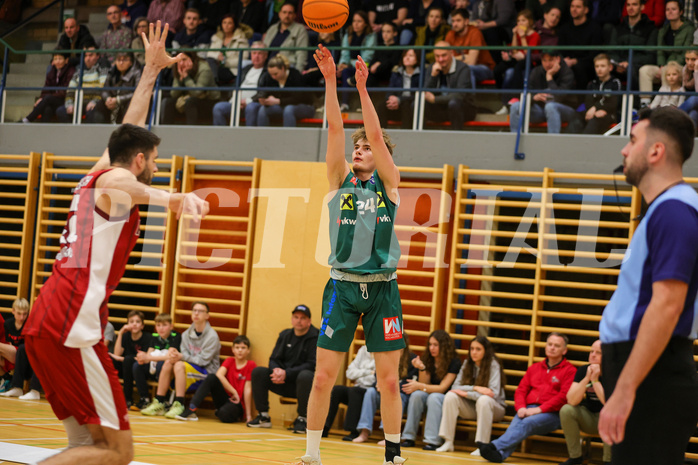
column 64, row 331
column 649, row 325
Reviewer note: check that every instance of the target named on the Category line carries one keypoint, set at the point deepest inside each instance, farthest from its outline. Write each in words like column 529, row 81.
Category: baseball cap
column 302, row 308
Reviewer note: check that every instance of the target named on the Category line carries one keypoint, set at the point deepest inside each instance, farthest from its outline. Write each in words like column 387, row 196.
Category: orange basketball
column 325, row 15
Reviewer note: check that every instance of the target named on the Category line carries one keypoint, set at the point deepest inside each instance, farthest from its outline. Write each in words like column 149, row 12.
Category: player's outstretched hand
column 155, row 53
column 189, row 204
column 325, row 61
column 361, row 74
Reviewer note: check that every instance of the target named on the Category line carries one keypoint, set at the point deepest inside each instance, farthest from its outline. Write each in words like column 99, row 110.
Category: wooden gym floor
column 207, row 441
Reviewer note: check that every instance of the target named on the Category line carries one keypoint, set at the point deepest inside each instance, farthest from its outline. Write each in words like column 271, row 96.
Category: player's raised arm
column 385, row 165
column 156, row 58
column 337, row 166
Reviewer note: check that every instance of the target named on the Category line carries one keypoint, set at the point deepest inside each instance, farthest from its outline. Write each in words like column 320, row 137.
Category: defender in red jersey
column 64, row 330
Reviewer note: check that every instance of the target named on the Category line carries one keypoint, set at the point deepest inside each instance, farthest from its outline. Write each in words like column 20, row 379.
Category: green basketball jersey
column 362, row 235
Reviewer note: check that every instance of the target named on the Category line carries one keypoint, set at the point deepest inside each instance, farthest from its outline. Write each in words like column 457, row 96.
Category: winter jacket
column 563, row 80
column 545, row 387
column 683, row 37
column 58, row 78
column 642, row 34
column 240, row 39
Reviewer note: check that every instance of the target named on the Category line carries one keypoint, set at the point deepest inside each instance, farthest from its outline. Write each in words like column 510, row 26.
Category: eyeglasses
column 196, row 310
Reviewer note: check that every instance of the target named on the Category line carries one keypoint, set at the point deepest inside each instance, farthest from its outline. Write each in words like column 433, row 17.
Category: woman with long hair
column 291, row 106
column 224, row 64
column 399, row 105
column 360, row 37
column 477, row 394
column 190, row 74
column 437, row 371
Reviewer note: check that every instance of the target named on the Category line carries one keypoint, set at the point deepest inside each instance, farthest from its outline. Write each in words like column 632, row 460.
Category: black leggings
column 23, row 371
column 353, row 398
column 226, row 411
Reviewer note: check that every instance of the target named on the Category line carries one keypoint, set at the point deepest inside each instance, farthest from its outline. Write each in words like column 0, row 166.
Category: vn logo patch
column 391, row 328
column 347, row 201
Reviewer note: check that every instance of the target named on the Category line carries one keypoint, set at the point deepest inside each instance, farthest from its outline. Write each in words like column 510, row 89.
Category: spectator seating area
column 510, row 255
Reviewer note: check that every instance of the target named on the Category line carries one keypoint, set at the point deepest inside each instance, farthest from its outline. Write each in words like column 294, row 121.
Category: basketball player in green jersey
column 364, row 257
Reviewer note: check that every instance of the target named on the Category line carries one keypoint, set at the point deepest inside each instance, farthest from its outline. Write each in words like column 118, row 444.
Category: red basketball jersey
column 72, row 304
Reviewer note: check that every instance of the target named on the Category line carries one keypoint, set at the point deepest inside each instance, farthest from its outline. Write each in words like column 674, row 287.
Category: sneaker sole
column 154, row 414
column 261, row 425
column 189, row 418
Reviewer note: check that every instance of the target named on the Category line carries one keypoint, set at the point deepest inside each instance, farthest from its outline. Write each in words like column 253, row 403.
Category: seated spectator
column 672, row 76
column 190, row 74
column 509, row 72
column 434, row 31
column 94, row 75
column 437, row 372
column 372, row 398
column 312, row 76
column 124, row 74
column 384, row 61
column 399, row 106
column 362, row 372
column 200, row 355
column 212, row 12
column 636, row 30
column 23, row 372
column 140, row 25
column 129, row 342
column 193, row 34
column 10, row 339
column 539, row 7
column 418, row 11
column 252, row 13
column 551, row 74
column 495, row 19
column 58, row 76
column 676, row 32
column 690, row 105
column 74, row 37
column 585, row 399
column 22, row 369
column 149, row 364
column 601, row 109
column 291, row 106
column 654, row 9
column 167, row 11
column 539, row 397
column 360, row 38
column 580, row 31
column 250, row 78
column 230, row 387
column 224, row 65
column 448, row 73
column 547, row 30
column 290, row 372
column 606, row 13
column 462, row 34
column 132, row 10
column 394, row 11
column 117, row 36
column 287, row 33
column 477, row 394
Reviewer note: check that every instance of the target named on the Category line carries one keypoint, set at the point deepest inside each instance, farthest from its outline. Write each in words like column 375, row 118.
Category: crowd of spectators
column 210, row 27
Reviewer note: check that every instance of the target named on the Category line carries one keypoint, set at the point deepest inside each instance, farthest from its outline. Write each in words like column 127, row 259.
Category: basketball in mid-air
column 325, row 15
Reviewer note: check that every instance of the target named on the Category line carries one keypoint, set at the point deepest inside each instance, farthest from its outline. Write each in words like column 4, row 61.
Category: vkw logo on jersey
column 392, row 329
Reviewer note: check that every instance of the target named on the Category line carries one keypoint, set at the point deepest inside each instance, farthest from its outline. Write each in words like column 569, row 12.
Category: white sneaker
column 396, row 461
column 14, row 392
column 476, row 453
column 502, row 111
column 446, row 447
column 309, row 460
column 31, row 395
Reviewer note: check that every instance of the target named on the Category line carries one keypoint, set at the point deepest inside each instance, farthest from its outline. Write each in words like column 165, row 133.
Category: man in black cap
column 290, row 372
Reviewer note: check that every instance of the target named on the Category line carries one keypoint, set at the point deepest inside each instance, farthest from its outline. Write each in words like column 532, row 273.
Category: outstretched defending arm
column 385, row 166
column 337, row 166
column 156, row 58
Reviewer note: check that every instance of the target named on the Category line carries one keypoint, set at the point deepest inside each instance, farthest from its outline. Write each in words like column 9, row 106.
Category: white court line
column 30, row 454
column 170, row 436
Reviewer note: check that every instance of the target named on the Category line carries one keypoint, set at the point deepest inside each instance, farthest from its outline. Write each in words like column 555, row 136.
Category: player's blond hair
column 163, row 318
column 361, row 134
column 21, row 305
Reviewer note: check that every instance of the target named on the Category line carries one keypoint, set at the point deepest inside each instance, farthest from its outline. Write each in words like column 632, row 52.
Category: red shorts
column 80, row 383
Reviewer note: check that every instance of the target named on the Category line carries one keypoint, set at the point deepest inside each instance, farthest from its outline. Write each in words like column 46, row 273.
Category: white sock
column 312, row 444
column 394, row 438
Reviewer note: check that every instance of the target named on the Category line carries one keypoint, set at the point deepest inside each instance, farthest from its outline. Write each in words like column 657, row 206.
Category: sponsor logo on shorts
column 392, row 329
column 329, row 332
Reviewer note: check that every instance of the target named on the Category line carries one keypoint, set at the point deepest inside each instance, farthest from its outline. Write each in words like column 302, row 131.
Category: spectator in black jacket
column 58, row 76
column 636, row 30
column 290, row 372
column 125, row 74
column 448, row 73
column 252, row 13
column 292, row 106
column 581, row 30
column 495, row 19
column 601, row 108
column 400, row 105
column 74, row 37
column 552, row 74
column 384, row 61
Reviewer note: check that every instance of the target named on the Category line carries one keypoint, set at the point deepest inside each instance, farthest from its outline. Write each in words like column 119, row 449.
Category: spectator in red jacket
column 538, row 400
